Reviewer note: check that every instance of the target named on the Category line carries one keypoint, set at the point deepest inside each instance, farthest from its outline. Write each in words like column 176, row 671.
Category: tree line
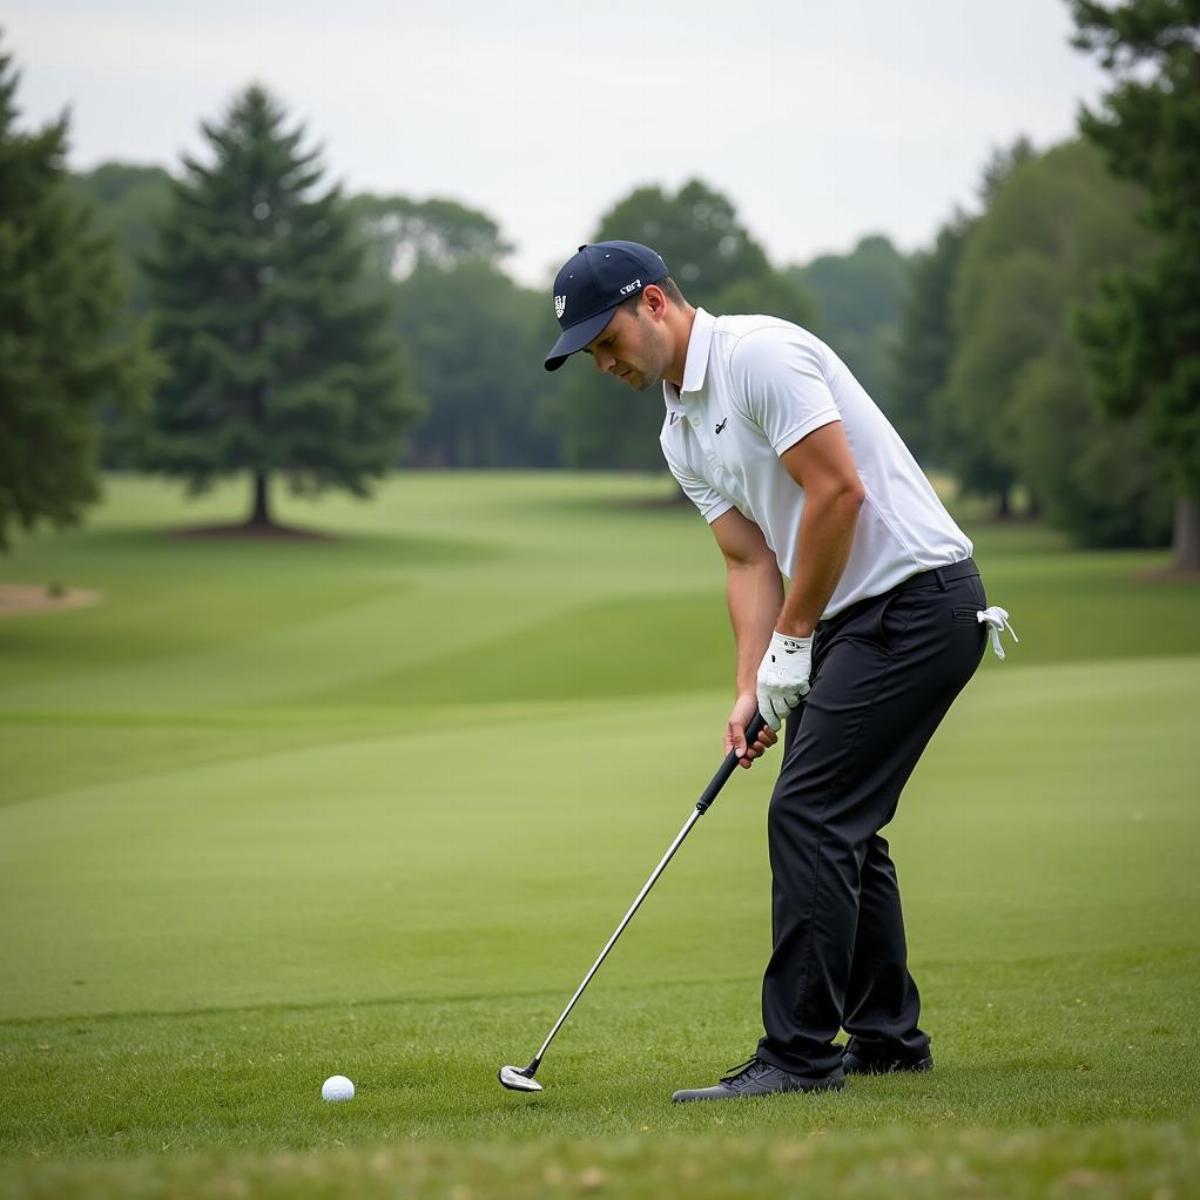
column 243, row 317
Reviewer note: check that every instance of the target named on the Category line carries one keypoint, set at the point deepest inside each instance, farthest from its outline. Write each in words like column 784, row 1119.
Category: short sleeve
column 784, row 387
column 708, row 501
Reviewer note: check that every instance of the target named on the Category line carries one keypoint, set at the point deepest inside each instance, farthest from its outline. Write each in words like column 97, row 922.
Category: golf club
column 521, row 1079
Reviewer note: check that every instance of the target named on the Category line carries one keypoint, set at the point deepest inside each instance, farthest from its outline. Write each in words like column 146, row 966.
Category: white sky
column 821, row 119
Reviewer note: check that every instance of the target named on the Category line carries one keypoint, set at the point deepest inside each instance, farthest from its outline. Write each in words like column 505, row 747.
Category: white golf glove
column 783, row 677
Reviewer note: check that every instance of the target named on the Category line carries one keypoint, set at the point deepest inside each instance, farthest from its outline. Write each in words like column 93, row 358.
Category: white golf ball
column 336, row 1089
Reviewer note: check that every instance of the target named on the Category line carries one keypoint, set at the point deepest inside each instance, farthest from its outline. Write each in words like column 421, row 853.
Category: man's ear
column 655, row 299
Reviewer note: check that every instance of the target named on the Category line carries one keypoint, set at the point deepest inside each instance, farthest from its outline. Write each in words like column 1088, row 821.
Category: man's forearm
column 755, row 593
column 822, row 551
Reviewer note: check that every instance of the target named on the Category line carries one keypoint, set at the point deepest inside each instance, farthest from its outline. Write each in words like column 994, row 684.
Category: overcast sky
column 822, row 121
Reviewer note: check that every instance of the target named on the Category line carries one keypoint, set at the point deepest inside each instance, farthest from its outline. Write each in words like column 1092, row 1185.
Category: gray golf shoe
column 758, row 1078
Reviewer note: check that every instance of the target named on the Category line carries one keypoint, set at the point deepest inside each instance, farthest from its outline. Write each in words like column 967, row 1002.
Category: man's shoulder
column 750, row 344
column 746, row 331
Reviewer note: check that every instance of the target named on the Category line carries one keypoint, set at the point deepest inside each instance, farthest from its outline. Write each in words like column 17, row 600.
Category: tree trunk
column 1003, row 504
column 258, row 417
column 261, row 514
column 1187, row 533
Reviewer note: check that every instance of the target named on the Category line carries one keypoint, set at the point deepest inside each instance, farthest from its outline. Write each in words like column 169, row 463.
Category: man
column 800, row 475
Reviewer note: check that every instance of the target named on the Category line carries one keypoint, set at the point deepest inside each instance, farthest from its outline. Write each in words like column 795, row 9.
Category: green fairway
column 370, row 805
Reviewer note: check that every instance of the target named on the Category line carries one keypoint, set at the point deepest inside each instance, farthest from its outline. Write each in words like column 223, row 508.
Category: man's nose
column 605, row 360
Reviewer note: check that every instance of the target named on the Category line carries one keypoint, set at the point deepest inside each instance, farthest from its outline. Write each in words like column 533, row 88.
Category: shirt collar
column 696, row 365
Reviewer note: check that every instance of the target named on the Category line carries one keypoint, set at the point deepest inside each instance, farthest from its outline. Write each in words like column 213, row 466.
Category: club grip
column 753, row 729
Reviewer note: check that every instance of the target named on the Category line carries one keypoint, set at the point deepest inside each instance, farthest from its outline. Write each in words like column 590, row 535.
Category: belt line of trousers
column 885, row 673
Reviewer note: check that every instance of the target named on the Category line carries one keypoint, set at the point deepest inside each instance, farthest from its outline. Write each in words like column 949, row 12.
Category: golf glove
column 996, row 619
column 783, row 677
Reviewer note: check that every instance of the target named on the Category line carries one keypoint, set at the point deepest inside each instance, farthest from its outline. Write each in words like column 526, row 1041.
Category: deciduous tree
column 475, row 342
column 404, row 235
column 1016, row 388
column 717, row 264
column 858, row 299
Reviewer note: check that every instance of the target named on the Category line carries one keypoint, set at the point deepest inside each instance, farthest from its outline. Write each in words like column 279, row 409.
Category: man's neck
column 683, row 335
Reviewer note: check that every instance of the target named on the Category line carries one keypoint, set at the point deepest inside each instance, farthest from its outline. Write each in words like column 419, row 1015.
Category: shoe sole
column 683, row 1097
column 892, row 1068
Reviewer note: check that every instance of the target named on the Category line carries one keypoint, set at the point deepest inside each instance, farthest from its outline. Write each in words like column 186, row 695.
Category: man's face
column 633, row 347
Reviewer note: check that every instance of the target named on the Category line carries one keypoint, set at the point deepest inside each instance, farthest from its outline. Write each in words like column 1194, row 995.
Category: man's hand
column 735, row 732
column 783, row 676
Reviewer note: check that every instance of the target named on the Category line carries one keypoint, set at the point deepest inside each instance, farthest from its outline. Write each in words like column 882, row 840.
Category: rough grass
column 370, row 805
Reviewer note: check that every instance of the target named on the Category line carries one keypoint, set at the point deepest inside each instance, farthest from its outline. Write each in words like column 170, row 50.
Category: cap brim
column 578, row 336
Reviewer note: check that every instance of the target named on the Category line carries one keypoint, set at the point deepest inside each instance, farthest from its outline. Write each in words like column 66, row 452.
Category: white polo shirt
column 753, row 387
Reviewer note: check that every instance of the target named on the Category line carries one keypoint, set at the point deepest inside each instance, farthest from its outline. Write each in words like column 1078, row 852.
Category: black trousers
column 885, row 672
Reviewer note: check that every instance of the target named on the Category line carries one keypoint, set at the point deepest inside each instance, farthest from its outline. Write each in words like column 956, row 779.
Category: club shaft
column 710, row 793
column 695, row 815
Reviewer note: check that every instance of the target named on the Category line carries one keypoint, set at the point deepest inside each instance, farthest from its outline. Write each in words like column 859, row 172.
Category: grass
column 370, row 806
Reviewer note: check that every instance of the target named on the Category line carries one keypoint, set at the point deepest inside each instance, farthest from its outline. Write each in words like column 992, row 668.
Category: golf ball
column 336, row 1089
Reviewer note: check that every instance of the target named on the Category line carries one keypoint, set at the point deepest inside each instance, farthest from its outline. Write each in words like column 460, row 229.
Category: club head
column 516, row 1080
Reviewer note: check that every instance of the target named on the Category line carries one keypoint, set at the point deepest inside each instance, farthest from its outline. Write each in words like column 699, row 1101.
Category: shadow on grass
column 296, row 545
column 255, row 532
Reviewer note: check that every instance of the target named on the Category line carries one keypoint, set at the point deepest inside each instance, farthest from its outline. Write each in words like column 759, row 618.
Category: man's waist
column 934, row 577
column 937, row 577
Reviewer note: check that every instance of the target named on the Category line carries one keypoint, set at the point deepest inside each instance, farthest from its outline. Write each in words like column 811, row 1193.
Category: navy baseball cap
column 589, row 287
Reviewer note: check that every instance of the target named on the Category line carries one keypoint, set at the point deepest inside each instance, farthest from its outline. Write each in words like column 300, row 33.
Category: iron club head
column 519, row 1079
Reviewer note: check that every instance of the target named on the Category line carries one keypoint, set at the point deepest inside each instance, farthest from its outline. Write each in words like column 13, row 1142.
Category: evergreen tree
column 61, row 353
column 926, row 343
column 1142, row 339
column 281, row 359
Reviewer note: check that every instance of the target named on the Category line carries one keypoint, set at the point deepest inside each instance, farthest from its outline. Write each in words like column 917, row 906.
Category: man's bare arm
column 823, row 466
column 754, row 591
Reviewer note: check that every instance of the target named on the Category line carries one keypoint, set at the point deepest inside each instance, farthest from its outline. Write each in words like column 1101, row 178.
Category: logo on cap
column 560, row 306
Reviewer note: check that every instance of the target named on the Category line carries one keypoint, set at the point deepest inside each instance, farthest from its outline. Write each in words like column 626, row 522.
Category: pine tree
column 926, row 344
column 61, row 356
column 279, row 353
column 1143, row 338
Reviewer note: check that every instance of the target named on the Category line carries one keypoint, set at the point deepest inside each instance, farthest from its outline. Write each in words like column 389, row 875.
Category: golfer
column 800, row 475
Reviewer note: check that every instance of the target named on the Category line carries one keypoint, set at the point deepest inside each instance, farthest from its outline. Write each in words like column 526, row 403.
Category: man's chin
column 642, row 383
